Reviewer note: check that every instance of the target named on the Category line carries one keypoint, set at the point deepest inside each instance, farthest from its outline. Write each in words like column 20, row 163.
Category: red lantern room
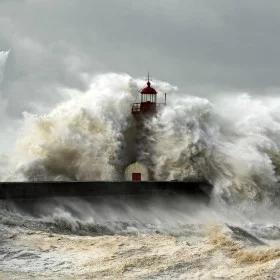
column 148, row 101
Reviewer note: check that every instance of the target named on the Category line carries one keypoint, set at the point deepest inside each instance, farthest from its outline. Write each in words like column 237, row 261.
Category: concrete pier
column 37, row 190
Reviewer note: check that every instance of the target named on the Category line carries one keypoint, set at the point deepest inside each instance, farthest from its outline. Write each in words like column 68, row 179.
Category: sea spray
column 232, row 142
column 3, row 59
column 80, row 138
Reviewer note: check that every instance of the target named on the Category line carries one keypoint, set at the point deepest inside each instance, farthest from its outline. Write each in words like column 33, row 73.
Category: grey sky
column 204, row 47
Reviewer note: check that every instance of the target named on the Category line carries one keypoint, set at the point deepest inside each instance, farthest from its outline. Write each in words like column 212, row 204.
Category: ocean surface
column 174, row 239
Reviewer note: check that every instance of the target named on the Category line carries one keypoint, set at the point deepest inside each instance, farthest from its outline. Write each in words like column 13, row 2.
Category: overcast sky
column 203, row 47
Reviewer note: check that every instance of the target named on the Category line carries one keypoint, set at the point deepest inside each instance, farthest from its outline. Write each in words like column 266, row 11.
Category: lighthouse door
column 136, row 176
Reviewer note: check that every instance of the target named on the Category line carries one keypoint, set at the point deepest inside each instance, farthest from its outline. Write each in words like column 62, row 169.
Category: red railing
column 136, row 107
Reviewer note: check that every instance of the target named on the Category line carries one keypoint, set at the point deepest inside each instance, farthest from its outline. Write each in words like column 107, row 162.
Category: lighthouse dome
column 148, row 89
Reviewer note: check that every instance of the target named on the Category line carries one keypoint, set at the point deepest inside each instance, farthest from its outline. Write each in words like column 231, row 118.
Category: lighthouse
column 140, row 167
column 148, row 104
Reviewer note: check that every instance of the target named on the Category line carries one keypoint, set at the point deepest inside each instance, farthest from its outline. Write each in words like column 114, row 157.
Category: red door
column 136, row 176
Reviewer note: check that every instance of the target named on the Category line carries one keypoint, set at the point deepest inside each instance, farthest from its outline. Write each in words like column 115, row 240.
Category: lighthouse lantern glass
column 148, row 97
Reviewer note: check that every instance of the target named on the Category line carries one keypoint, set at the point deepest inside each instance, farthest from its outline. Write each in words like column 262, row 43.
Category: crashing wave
column 233, row 142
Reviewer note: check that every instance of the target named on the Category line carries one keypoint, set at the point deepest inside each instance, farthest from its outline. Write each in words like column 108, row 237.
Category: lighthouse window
column 148, row 97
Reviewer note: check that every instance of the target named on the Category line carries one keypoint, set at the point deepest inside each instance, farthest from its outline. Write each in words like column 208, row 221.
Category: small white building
column 136, row 172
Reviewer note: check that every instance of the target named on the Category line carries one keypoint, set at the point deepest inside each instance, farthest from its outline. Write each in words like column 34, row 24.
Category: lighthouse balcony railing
column 136, row 107
column 160, row 105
